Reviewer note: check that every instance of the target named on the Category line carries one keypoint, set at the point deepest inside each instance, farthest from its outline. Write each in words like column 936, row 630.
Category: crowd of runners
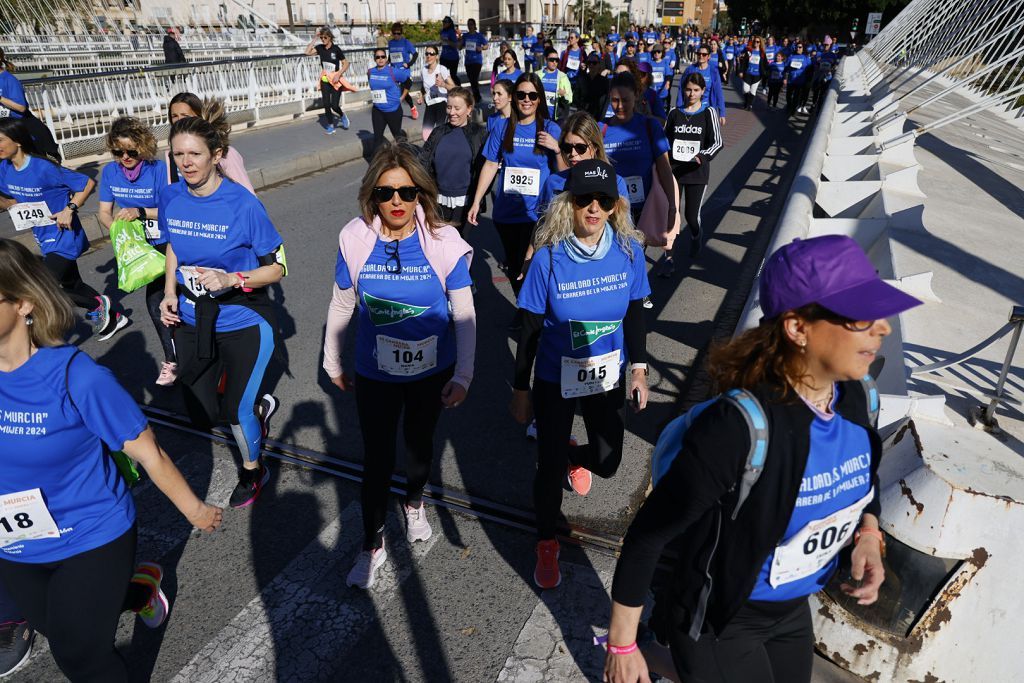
column 586, row 159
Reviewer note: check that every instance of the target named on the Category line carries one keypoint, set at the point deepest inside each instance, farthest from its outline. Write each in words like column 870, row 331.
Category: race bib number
column 685, row 150
column 4, row 112
column 328, row 67
column 587, row 376
column 401, row 358
column 397, row 58
column 650, row 41
column 635, row 187
column 24, row 517
column 379, row 96
column 657, row 77
column 523, row 181
column 28, row 215
column 190, row 278
column 432, row 100
column 796, row 64
column 728, row 57
column 755, row 59
column 550, row 97
column 816, row 544
column 572, row 63
column 152, row 228
column 471, row 45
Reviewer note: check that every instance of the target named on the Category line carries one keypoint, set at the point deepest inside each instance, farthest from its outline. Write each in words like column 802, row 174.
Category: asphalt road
column 264, row 599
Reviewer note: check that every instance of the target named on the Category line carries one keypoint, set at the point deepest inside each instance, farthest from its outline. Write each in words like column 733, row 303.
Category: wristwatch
column 73, row 207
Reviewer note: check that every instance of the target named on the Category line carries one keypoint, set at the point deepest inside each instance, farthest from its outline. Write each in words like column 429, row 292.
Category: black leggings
column 379, row 405
column 332, row 101
column 765, row 642
column 77, row 602
column 70, row 280
column 774, row 88
column 473, row 74
column 515, row 240
column 407, row 84
column 243, row 355
column 796, row 96
column 453, row 67
column 391, row 119
column 154, row 295
column 602, row 416
column 693, row 199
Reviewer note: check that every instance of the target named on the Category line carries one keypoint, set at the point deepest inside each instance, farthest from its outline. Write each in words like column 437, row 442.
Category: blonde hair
column 135, row 130
column 559, row 222
column 582, row 125
column 211, row 125
column 392, row 155
column 23, row 277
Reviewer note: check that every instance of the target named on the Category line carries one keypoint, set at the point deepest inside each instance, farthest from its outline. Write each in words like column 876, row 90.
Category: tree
column 795, row 16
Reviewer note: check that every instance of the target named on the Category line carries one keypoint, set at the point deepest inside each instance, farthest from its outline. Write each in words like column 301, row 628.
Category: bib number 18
column 20, row 520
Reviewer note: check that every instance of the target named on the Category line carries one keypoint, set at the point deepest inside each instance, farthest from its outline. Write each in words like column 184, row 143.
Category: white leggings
column 751, row 88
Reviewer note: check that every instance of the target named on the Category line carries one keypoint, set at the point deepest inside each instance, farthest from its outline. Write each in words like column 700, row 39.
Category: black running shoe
column 250, row 485
column 696, row 242
column 15, row 646
column 265, row 409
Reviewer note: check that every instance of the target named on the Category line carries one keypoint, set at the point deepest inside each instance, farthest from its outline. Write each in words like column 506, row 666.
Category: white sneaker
column 417, row 528
column 364, row 571
column 114, row 326
column 531, row 431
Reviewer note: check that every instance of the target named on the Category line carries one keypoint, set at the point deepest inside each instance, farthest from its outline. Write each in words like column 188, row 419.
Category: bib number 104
column 20, row 520
column 592, row 373
column 407, row 356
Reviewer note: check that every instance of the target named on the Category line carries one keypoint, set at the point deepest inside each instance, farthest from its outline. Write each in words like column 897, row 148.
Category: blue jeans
column 8, row 611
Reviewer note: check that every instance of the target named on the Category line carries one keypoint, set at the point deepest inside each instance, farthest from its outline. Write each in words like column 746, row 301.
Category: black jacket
column 701, row 128
column 719, row 559
column 476, row 134
column 172, row 51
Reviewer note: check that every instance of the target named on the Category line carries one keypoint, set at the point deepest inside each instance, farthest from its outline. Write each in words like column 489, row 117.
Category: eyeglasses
column 852, row 325
column 522, row 95
column 568, row 148
column 604, row 201
column 380, row 56
column 391, row 251
column 396, row 33
column 132, row 153
column 552, row 59
column 431, row 54
column 406, row 193
column 703, row 54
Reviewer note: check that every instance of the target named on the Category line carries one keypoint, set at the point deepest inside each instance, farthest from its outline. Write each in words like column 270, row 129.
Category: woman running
column 798, row 82
column 231, row 165
column 67, row 545
column 501, row 100
column 580, row 141
column 449, row 40
column 14, row 105
column 133, row 182
column 452, row 154
column 510, row 70
column 525, row 149
column 435, row 81
column 736, row 608
column 387, row 92
column 499, row 62
column 580, row 336
column 713, row 95
column 776, row 78
column 222, row 254
column 695, row 139
column 408, row 275
column 333, row 66
column 474, row 43
column 751, row 67
column 45, row 197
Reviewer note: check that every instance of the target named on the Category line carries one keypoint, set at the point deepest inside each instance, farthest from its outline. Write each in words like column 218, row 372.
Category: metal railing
column 78, row 109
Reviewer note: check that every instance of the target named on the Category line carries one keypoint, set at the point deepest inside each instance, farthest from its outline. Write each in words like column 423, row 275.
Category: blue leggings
column 244, row 356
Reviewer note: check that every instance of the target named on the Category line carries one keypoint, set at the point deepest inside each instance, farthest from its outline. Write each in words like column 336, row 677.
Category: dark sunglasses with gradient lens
column 380, row 56
column 522, row 95
column 132, row 153
column 568, row 148
column 604, row 201
column 406, row 193
column 431, row 53
column 552, row 59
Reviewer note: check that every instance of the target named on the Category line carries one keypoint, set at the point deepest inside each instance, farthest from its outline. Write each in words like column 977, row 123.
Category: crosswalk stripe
column 295, row 629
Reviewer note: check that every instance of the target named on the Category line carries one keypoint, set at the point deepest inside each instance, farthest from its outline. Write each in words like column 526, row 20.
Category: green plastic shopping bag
column 138, row 263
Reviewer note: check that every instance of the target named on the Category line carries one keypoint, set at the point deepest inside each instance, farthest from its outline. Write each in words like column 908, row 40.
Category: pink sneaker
column 168, row 374
column 580, row 479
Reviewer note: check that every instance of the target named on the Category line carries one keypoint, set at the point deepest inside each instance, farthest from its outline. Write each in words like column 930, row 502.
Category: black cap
column 592, row 176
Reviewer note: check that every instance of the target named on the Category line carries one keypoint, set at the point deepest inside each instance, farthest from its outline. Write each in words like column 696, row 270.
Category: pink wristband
column 626, row 650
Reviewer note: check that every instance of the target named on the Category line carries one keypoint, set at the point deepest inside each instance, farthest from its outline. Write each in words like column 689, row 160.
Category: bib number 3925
column 593, row 375
column 24, row 517
column 816, row 544
column 28, row 215
column 524, row 181
column 401, row 358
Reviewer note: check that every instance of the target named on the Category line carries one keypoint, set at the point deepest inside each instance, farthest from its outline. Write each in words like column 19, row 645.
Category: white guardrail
column 79, row 109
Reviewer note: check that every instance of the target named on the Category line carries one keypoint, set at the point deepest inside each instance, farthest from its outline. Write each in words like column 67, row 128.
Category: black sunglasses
column 132, row 153
column 704, row 54
column 522, row 95
column 567, row 148
column 431, row 54
column 391, row 251
column 604, row 201
column 380, row 56
column 552, row 59
column 406, row 193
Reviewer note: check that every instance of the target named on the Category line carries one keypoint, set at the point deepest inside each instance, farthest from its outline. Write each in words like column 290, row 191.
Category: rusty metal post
column 988, row 417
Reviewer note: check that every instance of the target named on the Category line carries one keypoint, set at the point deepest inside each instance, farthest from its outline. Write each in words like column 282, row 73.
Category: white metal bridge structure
column 939, row 67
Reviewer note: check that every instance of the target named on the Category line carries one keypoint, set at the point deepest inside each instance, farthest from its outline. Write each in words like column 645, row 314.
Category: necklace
column 823, row 403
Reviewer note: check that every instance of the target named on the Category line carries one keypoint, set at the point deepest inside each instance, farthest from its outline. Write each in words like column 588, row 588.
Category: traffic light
column 856, row 22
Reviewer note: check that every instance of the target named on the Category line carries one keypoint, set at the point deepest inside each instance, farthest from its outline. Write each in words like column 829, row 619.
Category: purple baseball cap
column 831, row 271
column 644, row 68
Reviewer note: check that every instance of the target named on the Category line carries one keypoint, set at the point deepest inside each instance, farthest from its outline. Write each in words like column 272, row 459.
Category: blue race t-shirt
column 40, row 180
column 400, row 52
column 571, row 60
column 838, row 474
column 409, row 306
column 229, row 230
column 549, row 79
column 11, row 89
column 473, row 41
column 494, row 121
column 632, row 148
column 505, row 76
column 556, row 184
column 776, row 71
column 449, row 53
column 796, row 66
column 388, row 81
column 523, row 172
column 528, row 43
column 583, row 304
column 770, row 50
column 664, row 70
column 46, row 443
column 141, row 193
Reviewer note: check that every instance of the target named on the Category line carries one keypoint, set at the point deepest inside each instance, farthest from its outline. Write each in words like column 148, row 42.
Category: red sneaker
column 415, row 114
column 580, row 479
column 547, row 575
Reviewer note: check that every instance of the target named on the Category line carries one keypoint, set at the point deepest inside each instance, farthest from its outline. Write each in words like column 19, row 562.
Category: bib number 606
column 825, row 538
